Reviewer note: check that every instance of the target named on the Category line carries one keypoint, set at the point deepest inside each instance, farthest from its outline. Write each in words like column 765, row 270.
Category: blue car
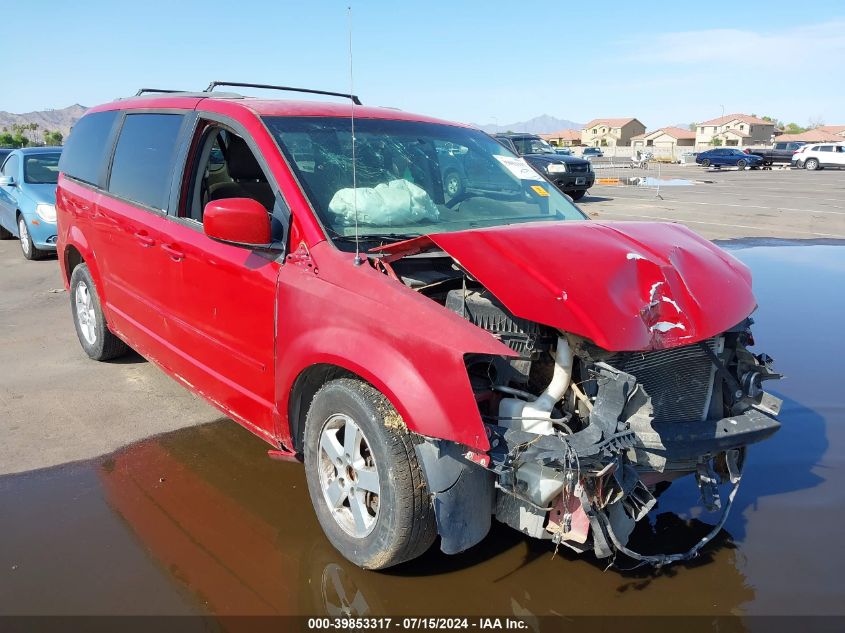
column 728, row 157
column 28, row 199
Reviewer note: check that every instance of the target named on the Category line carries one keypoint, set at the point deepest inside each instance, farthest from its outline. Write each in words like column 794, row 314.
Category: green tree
column 793, row 128
column 716, row 142
column 693, row 126
column 53, row 137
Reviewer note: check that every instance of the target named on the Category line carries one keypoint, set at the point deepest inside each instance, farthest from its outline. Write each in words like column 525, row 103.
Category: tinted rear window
column 143, row 159
column 85, row 152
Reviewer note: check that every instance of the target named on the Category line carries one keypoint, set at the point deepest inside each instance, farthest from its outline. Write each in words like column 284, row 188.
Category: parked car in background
column 28, row 179
column 433, row 360
column 727, row 157
column 572, row 175
column 781, row 152
column 563, row 151
column 820, row 156
column 592, row 152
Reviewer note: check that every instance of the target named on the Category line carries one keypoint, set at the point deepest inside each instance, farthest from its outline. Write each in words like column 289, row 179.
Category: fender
column 409, row 347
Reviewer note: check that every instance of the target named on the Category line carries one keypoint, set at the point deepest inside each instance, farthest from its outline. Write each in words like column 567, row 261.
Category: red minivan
column 436, row 356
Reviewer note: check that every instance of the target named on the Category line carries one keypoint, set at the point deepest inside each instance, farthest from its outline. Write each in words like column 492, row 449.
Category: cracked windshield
column 412, row 178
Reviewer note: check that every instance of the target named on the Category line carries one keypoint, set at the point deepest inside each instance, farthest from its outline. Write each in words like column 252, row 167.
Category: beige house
column 563, row 138
column 610, row 132
column 666, row 138
column 734, row 130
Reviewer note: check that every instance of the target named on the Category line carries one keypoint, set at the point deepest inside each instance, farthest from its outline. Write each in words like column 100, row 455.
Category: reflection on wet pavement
column 200, row 521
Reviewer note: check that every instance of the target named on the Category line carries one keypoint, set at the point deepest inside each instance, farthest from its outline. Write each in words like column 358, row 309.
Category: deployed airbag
column 397, row 202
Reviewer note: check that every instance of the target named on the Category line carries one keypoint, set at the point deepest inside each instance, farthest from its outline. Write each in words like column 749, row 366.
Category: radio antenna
column 358, row 259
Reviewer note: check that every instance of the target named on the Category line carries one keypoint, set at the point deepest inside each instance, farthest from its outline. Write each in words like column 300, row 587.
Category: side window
column 781, row 145
column 143, row 159
column 826, row 148
column 225, row 167
column 85, row 152
column 10, row 167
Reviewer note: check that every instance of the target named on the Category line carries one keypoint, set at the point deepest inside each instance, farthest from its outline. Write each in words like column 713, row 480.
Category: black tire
column 742, row 163
column 29, row 250
column 453, row 184
column 6, row 234
column 104, row 345
column 577, row 195
column 404, row 526
column 811, row 164
column 705, row 162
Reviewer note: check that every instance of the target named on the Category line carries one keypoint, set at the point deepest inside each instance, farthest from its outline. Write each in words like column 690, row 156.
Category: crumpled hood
column 627, row 286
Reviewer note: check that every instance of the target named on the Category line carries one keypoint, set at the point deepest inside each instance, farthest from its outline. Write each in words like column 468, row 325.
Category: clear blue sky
column 481, row 62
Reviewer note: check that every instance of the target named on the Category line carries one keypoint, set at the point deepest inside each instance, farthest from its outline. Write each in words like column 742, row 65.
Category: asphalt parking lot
column 58, row 406
column 728, row 204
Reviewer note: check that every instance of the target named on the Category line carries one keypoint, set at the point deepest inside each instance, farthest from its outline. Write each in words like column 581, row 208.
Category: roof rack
column 238, row 84
column 156, row 90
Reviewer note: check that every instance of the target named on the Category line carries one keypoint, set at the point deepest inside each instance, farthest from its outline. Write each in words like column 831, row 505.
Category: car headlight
column 556, row 168
column 46, row 212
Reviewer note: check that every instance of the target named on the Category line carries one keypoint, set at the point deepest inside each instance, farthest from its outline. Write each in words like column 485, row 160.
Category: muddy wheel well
column 302, row 393
column 72, row 259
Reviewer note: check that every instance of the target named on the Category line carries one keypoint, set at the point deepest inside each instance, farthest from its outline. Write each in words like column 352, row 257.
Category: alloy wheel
column 85, row 315
column 24, row 233
column 349, row 478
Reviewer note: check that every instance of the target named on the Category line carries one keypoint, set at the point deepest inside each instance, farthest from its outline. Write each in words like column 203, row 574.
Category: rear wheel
column 812, row 164
column 365, row 483
column 29, row 250
column 91, row 328
column 453, row 184
column 577, row 195
column 705, row 162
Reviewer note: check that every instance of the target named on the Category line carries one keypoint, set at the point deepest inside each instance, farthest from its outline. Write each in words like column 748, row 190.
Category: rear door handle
column 144, row 238
column 176, row 253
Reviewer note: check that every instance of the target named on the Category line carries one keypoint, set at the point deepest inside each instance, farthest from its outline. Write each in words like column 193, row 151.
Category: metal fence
column 615, row 171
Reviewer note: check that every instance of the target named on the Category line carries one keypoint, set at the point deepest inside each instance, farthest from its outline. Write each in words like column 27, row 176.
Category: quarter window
column 143, row 159
column 10, row 167
column 85, row 152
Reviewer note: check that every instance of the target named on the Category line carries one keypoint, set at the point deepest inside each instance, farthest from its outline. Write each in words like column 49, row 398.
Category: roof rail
column 156, row 90
column 238, row 84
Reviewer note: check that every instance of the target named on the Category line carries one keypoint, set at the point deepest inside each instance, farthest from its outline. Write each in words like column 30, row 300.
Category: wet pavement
column 199, row 521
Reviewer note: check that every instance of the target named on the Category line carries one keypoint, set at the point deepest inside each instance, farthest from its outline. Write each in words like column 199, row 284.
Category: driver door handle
column 176, row 253
column 144, row 238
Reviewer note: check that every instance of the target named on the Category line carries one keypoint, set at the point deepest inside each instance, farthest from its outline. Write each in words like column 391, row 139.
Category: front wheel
column 29, row 250
column 811, row 164
column 91, row 328
column 742, row 163
column 364, row 480
column 577, row 195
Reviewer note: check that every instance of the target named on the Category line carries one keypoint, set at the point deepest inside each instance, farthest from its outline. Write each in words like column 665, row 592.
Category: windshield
column 412, row 178
column 533, row 146
column 41, row 169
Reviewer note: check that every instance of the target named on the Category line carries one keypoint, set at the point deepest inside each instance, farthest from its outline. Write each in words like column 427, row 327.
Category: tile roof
column 608, row 122
column 677, row 132
column 734, row 132
column 568, row 135
column 745, row 118
column 811, row 136
column 833, row 129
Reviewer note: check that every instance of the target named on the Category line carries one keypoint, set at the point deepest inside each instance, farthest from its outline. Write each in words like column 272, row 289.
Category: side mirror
column 237, row 221
column 7, row 181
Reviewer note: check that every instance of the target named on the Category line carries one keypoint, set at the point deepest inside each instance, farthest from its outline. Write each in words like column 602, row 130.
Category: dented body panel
column 626, row 286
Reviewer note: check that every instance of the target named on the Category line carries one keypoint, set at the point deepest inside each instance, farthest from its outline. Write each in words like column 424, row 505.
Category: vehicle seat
column 248, row 180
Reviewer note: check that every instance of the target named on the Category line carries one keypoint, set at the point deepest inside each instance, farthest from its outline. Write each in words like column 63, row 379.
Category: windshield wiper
column 375, row 237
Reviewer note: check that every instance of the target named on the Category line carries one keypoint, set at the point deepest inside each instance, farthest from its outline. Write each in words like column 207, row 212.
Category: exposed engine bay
column 580, row 436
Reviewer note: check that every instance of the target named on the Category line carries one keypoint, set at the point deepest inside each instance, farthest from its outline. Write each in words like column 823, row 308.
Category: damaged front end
column 583, row 471
column 581, row 437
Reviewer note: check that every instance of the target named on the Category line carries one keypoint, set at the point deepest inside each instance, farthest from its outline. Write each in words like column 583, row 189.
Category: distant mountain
column 61, row 120
column 538, row 125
